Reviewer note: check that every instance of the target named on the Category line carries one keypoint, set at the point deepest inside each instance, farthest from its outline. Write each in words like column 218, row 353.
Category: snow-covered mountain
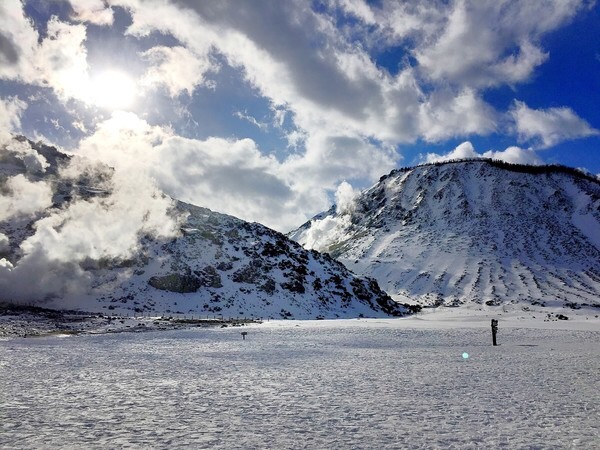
column 77, row 234
column 475, row 231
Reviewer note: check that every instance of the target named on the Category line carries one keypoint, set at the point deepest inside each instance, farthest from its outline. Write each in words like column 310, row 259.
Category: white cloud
column 471, row 46
column 18, row 42
column 420, row 21
column 93, row 11
column 446, row 115
column 329, row 159
column 342, row 113
column 227, row 176
column 248, row 118
column 177, row 69
column 358, row 8
column 61, row 60
column 514, row 155
column 10, row 114
column 58, row 61
column 334, row 91
column 347, row 114
column 392, row 23
column 124, row 140
column 467, row 43
column 548, row 127
column 518, row 67
column 300, row 62
column 462, row 151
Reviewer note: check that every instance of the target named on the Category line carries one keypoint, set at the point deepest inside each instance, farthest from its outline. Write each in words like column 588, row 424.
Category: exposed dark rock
column 209, row 277
column 175, row 282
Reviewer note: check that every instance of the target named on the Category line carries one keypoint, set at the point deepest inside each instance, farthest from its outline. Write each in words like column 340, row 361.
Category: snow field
column 345, row 384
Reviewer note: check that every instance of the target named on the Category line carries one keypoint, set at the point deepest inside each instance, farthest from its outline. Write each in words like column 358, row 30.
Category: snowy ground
column 380, row 383
column 35, row 323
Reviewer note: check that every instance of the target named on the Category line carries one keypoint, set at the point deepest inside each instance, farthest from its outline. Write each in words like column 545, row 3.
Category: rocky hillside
column 473, row 231
column 223, row 265
column 79, row 235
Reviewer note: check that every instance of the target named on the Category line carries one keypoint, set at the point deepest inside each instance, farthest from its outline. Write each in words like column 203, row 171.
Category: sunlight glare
column 113, row 89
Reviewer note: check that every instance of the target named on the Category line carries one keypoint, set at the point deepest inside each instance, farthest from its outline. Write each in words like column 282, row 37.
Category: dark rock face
column 209, row 277
column 175, row 282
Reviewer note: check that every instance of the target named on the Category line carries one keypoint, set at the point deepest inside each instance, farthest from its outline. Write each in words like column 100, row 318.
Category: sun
column 113, row 89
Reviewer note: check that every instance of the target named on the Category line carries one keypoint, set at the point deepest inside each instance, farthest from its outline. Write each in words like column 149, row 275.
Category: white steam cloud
column 23, row 197
column 331, row 228
column 102, row 217
column 20, row 196
column 103, row 227
column 344, row 198
column 324, row 231
column 33, row 161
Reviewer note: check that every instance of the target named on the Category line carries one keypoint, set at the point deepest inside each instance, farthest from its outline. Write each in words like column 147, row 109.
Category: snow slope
column 480, row 232
column 96, row 239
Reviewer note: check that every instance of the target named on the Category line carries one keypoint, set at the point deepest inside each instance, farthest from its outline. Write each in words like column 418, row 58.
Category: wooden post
column 494, row 330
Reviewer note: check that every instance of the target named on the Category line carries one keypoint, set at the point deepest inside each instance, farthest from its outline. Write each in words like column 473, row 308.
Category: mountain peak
column 472, row 231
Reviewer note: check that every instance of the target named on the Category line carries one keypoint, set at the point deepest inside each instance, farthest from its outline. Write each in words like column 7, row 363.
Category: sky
column 273, row 110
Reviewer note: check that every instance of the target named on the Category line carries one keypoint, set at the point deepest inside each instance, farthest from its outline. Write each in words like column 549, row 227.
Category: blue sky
column 269, row 110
